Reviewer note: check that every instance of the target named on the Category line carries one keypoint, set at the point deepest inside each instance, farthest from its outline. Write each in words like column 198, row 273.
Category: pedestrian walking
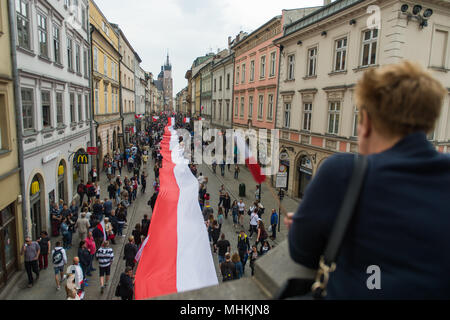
column 75, row 269
column 81, row 190
column 238, row 265
column 253, row 257
column 241, row 206
column 130, row 252
column 126, row 284
column 262, row 233
column 265, row 248
column 82, row 225
column 235, row 213
column 224, row 246
column 253, row 223
column 228, row 269
column 45, row 247
column 243, row 246
column 105, row 257
column 145, row 225
column 31, row 251
column 226, row 204
column 59, row 260
column 137, row 235
column 85, row 259
column 90, row 244
column 236, row 172
column 222, row 193
column 274, row 224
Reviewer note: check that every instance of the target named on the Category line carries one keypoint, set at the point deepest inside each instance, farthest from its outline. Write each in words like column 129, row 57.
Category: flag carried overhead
column 176, row 256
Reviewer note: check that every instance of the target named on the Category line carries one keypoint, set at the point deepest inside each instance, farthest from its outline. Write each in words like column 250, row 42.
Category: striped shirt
column 105, row 257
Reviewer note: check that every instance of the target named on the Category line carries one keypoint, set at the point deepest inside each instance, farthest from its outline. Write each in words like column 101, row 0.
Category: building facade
column 11, row 222
column 140, row 86
column 52, row 48
column 105, row 84
column 222, row 93
column 324, row 55
column 127, row 85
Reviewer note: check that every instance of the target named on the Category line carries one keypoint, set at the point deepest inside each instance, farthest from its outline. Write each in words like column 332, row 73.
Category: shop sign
column 82, row 158
column 50, row 157
column 284, row 156
column 282, row 178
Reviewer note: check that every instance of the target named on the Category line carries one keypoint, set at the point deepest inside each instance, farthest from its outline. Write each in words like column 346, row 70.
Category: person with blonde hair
column 396, row 242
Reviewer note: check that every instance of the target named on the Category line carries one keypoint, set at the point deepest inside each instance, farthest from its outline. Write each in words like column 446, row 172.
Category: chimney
column 326, row 2
column 229, row 41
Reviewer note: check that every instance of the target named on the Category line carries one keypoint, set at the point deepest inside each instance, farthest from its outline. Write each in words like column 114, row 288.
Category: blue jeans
column 221, row 259
column 120, row 228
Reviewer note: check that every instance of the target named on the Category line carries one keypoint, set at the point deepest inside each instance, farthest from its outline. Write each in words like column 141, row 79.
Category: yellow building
column 105, row 82
column 11, row 229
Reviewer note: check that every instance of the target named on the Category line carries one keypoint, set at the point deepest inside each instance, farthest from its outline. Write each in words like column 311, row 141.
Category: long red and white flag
column 177, row 255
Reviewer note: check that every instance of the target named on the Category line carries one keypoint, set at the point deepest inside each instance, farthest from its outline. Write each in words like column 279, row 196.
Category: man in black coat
column 130, row 252
column 127, row 284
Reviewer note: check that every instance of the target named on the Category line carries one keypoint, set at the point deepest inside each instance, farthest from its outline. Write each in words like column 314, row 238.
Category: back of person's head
column 58, row 244
column 227, row 256
column 82, row 242
column 130, row 239
column 222, row 236
column 235, row 258
column 400, row 99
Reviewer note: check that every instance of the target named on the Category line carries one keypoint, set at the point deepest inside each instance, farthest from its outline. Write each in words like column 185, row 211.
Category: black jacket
column 84, row 256
column 130, row 251
column 126, row 286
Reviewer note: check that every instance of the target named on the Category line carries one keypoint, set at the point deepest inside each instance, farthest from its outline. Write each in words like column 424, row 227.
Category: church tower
column 167, row 84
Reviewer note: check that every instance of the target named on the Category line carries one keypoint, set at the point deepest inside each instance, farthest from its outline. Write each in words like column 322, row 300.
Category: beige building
column 323, row 56
column 11, row 223
column 127, row 84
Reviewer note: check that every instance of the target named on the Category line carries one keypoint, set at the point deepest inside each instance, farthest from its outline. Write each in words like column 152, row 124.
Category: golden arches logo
column 82, row 159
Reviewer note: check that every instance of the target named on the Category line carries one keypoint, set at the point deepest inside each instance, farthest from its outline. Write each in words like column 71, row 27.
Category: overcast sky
column 188, row 28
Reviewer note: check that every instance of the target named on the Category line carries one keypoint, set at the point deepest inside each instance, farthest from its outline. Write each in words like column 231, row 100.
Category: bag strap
column 346, row 213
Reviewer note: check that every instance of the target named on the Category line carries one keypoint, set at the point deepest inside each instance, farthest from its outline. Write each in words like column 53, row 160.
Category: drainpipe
column 94, row 130
column 91, row 106
column 19, row 123
column 121, row 102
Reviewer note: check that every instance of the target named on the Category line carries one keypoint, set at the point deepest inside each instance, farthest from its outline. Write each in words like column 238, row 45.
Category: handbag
column 308, row 289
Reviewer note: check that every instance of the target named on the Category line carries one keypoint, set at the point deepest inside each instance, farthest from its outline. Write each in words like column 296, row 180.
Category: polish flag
column 155, row 119
column 102, row 228
column 177, row 255
column 187, row 120
column 250, row 160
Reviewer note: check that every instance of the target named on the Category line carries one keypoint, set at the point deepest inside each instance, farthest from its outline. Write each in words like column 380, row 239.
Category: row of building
column 297, row 73
column 69, row 80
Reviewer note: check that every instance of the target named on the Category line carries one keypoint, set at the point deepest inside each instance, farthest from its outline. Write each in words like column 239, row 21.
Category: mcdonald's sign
column 82, row 158
column 35, row 188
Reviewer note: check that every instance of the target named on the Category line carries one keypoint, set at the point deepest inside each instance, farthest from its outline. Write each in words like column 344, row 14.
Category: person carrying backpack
column 59, row 259
column 228, row 269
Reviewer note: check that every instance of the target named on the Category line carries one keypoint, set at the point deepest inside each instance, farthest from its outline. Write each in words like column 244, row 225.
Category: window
column 27, row 108
column 106, row 99
column 77, row 58
column 252, row 70
column 312, row 62
column 236, row 107
column 243, row 73
column 369, row 49
column 355, row 121
column 250, row 107
column 237, row 75
column 96, row 98
column 72, row 108
column 291, row 67
column 341, row 54
column 46, row 116
column 262, row 67
column 105, row 65
column 228, row 110
column 439, row 51
column 270, row 107
column 105, row 28
column 220, row 83
column 83, row 18
column 95, row 59
column 215, row 85
column 85, row 63
column 220, row 110
column 242, row 107
column 228, row 81
column 333, row 117
column 273, row 60
column 42, row 35
column 80, row 108
column 23, row 23
column 214, row 110
column 261, row 107
column 56, row 44
column 69, row 54
column 307, row 115
column 59, row 109
column 287, row 115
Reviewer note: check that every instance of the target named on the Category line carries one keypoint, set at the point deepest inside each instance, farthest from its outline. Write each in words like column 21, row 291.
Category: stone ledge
column 271, row 272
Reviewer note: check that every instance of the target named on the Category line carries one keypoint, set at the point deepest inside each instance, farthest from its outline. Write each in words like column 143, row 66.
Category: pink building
column 256, row 77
